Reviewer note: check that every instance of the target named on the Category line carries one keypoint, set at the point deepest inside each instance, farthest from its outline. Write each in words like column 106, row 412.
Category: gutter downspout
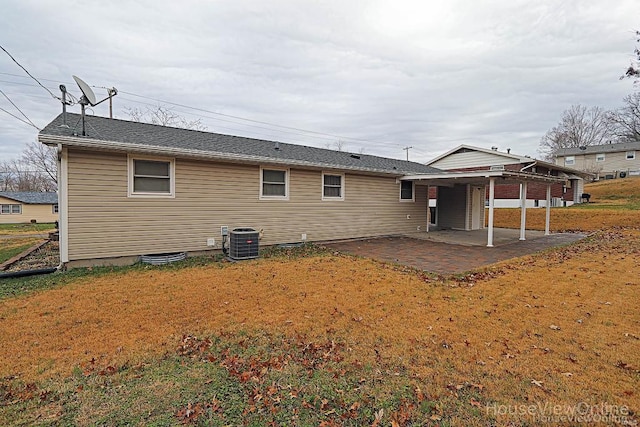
column 62, row 206
column 528, row 166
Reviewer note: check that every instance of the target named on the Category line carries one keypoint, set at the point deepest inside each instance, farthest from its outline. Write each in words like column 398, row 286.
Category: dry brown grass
column 568, row 219
column 623, row 188
column 569, row 319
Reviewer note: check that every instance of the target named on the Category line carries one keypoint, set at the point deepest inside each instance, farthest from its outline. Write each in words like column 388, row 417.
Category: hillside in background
column 612, row 189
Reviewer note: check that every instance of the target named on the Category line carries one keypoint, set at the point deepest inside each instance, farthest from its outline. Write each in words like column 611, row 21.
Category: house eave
column 449, row 178
column 115, row 146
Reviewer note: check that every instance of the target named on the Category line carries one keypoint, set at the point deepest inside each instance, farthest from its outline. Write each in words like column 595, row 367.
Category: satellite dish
column 86, row 91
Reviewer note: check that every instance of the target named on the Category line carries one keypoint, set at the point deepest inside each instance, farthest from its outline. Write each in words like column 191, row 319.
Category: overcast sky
column 376, row 75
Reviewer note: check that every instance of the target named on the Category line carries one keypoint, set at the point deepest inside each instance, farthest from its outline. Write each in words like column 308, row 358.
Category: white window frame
column 55, row 208
column 570, row 160
column 600, row 157
column 633, row 155
column 286, row 183
column 413, row 192
column 11, row 207
column 342, row 187
column 172, row 177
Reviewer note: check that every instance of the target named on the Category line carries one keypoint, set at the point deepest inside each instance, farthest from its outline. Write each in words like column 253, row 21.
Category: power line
column 255, row 121
column 18, row 118
column 279, row 128
column 21, row 112
column 28, row 73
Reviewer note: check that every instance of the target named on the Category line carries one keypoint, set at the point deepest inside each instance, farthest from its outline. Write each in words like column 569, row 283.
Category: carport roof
column 481, row 177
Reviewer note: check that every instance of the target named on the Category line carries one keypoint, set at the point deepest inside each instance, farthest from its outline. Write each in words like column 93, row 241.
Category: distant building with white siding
column 605, row 161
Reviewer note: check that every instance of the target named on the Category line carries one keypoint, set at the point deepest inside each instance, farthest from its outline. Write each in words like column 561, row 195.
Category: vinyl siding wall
column 613, row 162
column 470, row 160
column 105, row 223
column 40, row 213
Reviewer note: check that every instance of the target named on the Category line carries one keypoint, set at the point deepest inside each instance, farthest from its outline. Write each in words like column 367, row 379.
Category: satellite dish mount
column 89, row 98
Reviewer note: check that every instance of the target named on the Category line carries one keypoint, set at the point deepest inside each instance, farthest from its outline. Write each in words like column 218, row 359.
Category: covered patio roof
column 481, row 177
column 493, row 177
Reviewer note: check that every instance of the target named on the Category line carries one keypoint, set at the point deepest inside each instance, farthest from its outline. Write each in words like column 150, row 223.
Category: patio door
column 477, row 208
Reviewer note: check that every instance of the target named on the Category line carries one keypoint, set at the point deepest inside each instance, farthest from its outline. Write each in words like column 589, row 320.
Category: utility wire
column 253, row 121
column 28, row 73
column 22, row 120
column 17, row 108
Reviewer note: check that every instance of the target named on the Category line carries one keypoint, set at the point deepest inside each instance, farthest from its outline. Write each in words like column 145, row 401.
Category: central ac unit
column 243, row 243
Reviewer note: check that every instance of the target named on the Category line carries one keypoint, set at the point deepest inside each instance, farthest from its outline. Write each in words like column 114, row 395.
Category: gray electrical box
column 243, row 243
column 224, row 230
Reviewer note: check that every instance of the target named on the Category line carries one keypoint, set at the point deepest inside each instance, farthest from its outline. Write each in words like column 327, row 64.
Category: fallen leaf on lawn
column 567, row 374
column 475, row 403
column 554, row 327
column 537, row 383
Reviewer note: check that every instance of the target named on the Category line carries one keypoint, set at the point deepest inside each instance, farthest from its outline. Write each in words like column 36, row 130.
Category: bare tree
column 16, row 176
column 633, row 72
column 42, row 159
column 579, row 127
column 338, row 145
column 163, row 116
column 626, row 119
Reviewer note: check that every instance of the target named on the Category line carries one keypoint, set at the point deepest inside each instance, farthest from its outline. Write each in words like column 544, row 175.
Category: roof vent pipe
column 494, row 148
column 276, row 146
column 508, row 150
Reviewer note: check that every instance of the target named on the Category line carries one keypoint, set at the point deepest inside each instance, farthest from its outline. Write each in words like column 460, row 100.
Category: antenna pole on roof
column 83, row 103
column 63, row 89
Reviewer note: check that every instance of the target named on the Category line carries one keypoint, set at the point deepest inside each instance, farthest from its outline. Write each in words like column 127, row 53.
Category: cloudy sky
column 375, row 75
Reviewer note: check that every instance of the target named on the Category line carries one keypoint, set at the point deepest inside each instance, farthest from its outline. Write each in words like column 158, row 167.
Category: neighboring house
column 605, row 161
column 469, row 158
column 129, row 189
column 19, row 207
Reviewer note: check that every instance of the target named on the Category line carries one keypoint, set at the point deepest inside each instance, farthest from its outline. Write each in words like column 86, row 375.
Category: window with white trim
column 631, row 155
column 151, row 177
column 10, row 209
column 332, row 186
column 569, row 161
column 54, row 208
column 600, row 157
column 407, row 191
column 274, row 184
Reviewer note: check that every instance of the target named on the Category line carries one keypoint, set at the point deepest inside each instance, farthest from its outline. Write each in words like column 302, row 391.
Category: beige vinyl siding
column 613, row 162
column 452, row 212
column 104, row 222
column 471, row 159
column 39, row 213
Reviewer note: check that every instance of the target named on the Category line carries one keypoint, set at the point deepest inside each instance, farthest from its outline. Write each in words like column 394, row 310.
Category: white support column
column 548, row 214
column 428, row 209
column 492, row 190
column 523, row 209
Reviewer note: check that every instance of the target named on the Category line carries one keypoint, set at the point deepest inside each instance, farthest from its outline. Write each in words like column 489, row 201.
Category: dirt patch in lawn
column 563, row 325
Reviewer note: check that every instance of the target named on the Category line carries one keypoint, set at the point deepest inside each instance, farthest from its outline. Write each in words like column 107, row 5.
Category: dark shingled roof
column 31, row 198
column 604, row 148
column 143, row 136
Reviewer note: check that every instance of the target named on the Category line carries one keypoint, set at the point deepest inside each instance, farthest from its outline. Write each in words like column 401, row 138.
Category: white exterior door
column 477, row 208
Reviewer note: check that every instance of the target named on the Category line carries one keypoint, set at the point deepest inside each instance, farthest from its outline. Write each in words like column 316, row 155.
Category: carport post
column 523, row 209
column 492, row 190
column 548, row 215
column 428, row 209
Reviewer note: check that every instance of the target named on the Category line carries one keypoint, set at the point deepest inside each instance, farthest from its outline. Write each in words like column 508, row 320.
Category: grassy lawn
column 28, row 228
column 308, row 337
column 14, row 246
